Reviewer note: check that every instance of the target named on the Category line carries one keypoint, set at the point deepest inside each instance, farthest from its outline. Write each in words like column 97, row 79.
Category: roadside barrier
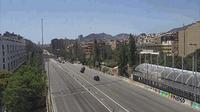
column 162, row 93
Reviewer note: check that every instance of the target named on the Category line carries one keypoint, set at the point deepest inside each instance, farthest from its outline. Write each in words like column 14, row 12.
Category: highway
column 73, row 91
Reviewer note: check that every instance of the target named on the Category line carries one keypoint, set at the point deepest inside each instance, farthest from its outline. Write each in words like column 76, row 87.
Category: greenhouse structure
column 177, row 81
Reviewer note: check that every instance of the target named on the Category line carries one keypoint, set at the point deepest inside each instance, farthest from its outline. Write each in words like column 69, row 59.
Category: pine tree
column 122, row 60
column 131, row 51
column 96, row 54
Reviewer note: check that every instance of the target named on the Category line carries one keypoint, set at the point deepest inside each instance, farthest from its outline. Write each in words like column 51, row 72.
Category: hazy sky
column 69, row 18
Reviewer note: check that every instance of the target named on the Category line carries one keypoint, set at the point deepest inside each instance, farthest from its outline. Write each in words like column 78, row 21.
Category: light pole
column 165, row 60
column 42, row 43
column 157, row 67
column 194, row 69
column 182, row 61
column 173, row 60
column 140, row 58
column 42, row 31
column 146, row 62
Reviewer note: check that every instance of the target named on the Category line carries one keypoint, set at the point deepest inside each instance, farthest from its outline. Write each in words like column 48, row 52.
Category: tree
column 76, row 49
column 4, row 76
column 131, row 51
column 96, row 54
column 122, row 60
column 26, row 90
column 81, row 56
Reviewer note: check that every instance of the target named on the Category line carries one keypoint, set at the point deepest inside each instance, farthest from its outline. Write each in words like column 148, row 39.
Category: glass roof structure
column 168, row 75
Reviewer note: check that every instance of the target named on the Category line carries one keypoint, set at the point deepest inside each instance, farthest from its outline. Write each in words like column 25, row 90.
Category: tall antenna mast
column 42, row 31
column 0, row 16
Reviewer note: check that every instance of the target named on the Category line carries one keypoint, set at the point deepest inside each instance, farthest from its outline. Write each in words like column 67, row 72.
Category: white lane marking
column 88, row 91
column 53, row 103
column 101, row 92
column 52, row 97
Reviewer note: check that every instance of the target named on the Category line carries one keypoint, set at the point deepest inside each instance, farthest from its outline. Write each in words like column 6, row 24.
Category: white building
column 12, row 53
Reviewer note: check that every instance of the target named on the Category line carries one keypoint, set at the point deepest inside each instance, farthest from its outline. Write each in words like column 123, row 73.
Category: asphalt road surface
column 73, row 91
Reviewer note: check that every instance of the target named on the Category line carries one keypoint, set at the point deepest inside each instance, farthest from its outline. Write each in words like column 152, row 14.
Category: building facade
column 12, row 53
column 189, row 39
column 114, row 44
column 169, row 42
column 88, row 48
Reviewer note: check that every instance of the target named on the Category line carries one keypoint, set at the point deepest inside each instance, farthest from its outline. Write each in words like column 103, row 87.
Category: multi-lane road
column 72, row 91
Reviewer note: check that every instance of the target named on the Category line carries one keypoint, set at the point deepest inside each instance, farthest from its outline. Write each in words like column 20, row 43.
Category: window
column 7, row 48
column 4, row 66
column 3, row 47
column 3, row 60
column 8, row 66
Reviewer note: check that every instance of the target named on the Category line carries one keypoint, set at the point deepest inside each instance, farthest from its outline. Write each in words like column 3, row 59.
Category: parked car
column 96, row 78
column 82, row 70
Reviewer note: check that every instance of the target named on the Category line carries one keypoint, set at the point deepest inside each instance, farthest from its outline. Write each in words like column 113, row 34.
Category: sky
column 70, row 18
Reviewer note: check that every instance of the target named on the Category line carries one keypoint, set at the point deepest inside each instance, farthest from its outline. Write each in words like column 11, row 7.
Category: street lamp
column 147, row 53
column 194, row 69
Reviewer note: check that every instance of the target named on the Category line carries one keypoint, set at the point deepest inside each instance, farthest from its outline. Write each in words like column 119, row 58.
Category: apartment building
column 166, row 43
column 189, row 39
column 169, row 43
column 114, row 44
column 146, row 39
column 88, row 47
column 12, row 52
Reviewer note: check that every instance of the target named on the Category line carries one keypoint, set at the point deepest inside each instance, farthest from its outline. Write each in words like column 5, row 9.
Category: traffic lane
column 69, row 96
column 107, row 101
column 85, row 103
column 150, row 96
column 119, row 94
column 150, row 99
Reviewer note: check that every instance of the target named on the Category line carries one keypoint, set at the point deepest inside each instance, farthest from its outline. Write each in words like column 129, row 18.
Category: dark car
column 82, row 70
column 96, row 78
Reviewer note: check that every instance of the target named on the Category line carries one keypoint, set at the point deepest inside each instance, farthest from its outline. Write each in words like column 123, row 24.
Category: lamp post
column 173, row 60
column 146, row 62
column 140, row 58
column 194, row 70
column 157, row 67
column 182, row 60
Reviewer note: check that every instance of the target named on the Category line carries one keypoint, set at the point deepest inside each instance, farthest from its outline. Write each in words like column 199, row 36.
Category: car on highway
column 82, row 70
column 96, row 78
